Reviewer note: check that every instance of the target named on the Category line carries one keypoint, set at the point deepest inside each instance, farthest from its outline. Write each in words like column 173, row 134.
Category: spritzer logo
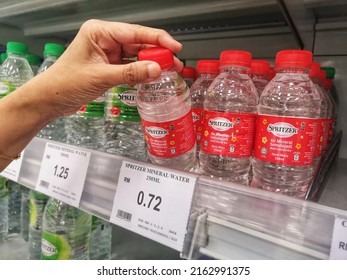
column 47, row 248
column 128, row 97
column 157, row 132
column 220, row 124
column 282, row 129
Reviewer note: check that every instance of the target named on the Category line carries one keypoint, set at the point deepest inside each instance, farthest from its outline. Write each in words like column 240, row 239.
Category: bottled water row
column 236, row 121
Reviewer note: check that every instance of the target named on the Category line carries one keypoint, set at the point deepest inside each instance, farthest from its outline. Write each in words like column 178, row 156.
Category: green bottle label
column 6, row 88
column 123, row 104
column 95, row 108
column 54, row 247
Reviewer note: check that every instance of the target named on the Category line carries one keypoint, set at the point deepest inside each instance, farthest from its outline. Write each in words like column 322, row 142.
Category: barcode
column 124, row 215
column 44, row 184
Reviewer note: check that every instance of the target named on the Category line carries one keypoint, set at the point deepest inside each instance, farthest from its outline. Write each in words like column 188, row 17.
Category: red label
column 198, row 120
column 331, row 130
column 169, row 139
column 228, row 134
column 322, row 136
column 285, row 140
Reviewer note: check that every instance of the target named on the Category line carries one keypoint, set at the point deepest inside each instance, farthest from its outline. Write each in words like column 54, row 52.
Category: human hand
column 98, row 59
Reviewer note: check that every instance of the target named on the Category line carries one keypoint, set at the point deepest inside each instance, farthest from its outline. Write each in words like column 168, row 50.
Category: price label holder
column 338, row 249
column 11, row 172
column 154, row 203
column 63, row 172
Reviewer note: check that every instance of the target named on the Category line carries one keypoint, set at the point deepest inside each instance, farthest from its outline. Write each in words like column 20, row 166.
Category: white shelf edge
column 99, row 191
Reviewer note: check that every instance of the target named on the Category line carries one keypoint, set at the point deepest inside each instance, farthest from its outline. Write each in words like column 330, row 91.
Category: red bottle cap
column 328, row 83
column 239, row 58
column 294, row 58
column 162, row 56
column 315, row 70
column 188, row 72
column 322, row 75
column 208, row 66
column 260, row 67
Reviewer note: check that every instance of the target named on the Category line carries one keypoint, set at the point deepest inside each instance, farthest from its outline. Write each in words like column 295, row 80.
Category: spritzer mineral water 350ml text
column 230, row 109
column 165, row 109
column 286, row 127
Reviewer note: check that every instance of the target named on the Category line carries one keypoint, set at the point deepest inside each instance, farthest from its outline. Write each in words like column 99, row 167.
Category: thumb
column 131, row 73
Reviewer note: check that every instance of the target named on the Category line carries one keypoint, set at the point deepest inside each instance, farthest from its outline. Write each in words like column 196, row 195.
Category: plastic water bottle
column 37, row 205
column 86, row 128
column 322, row 133
column 330, row 75
column 34, row 61
column 207, row 71
column 260, row 74
column 15, row 70
column 65, row 232
column 327, row 85
column 286, row 127
column 165, row 109
column 100, row 239
column 123, row 129
column 56, row 129
column 188, row 74
column 230, row 111
column 25, row 217
column 3, row 208
column 14, row 207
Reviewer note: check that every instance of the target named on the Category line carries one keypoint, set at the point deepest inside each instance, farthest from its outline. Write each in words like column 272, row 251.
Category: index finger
column 126, row 33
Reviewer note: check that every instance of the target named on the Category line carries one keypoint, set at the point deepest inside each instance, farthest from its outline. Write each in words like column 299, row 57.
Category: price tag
column 338, row 250
column 63, row 172
column 11, row 172
column 154, row 203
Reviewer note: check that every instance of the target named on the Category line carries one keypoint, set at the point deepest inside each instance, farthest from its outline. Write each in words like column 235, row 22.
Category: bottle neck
column 293, row 70
column 11, row 54
column 234, row 69
column 207, row 75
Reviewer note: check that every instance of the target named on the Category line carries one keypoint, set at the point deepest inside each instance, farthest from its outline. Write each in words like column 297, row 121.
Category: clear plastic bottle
column 123, row 129
column 230, row 111
column 86, row 128
column 56, row 129
column 25, row 217
column 188, row 74
column 207, row 71
column 65, row 232
column 15, row 70
column 3, row 208
column 34, row 61
column 286, row 126
column 322, row 133
column 37, row 205
column 260, row 74
column 100, row 239
column 165, row 109
column 327, row 85
column 14, row 207
column 330, row 75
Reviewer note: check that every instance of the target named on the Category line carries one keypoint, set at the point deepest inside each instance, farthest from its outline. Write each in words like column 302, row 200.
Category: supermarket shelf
column 258, row 220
